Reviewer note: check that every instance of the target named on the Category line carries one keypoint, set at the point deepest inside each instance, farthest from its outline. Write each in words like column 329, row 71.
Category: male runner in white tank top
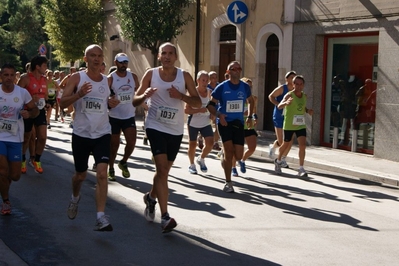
column 123, row 85
column 165, row 87
column 89, row 92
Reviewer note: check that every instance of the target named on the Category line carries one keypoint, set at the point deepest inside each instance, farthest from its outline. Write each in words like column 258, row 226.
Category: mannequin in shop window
column 366, row 105
column 335, row 101
column 348, row 107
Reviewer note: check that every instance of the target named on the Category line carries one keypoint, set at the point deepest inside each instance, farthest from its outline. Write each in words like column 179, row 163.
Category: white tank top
column 91, row 111
column 123, row 88
column 11, row 122
column 164, row 113
column 200, row 120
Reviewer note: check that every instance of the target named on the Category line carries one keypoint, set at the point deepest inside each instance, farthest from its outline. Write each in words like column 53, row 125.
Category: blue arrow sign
column 237, row 12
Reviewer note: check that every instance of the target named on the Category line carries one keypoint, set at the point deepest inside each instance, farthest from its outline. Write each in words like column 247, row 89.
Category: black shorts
column 234, row 131
column 83, row 147
column 250, row 132
column 39, row 120
column 121, row 124
column 289, row 133
column 51, row 102
column 164, row 143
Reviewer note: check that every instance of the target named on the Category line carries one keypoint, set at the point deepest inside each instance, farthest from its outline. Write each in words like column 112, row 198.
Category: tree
column 150, row 23
column 72, row 25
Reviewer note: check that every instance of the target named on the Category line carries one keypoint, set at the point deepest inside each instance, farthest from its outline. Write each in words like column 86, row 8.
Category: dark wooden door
column 271, row 80
column 227, row 54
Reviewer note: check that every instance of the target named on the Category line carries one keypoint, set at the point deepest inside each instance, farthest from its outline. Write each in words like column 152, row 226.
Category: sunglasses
column 235, row 68
column 123, row 62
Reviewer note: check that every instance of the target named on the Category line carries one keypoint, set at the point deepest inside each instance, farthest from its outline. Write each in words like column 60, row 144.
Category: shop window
column 350, row 94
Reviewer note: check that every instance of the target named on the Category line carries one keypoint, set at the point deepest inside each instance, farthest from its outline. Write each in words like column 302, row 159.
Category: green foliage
column 72, row 25
column 152, row 22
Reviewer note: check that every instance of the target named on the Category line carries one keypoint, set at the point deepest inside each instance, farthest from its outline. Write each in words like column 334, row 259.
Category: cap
column 121, row 58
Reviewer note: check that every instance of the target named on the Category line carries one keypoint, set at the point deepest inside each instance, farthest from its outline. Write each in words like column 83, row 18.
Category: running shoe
column 125, row 171
column 243, row 169
column 103, row 224
column 302, row 173
column 145, row 141
column 23, row 167
column 284, row 163
column 94, row 168
column 277, row 167
column 6, row 208
column 149, row 212
column 31, row 162
column 38, row 167
column 111, row 175
column 234, row 172
column 228, row 187
column 202, row 165
column 192, row 169
column 271, row 151
column 167, row 224
column 73, row 209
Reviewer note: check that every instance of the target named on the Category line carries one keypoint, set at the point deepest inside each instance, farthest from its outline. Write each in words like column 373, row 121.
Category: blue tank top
column 279, row 112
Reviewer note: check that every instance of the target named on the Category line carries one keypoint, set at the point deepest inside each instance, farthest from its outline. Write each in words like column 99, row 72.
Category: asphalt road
column 270, row 220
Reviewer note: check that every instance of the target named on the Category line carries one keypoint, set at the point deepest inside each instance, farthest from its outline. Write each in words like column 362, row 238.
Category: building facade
column 346, row 50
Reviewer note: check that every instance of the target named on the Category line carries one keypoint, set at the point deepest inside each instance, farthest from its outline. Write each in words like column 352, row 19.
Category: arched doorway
column 271, row 79
column 227, row 53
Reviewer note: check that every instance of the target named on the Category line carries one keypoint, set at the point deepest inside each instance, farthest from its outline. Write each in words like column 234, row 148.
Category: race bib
column 41, row 103
column 125, row 98
column 9, row 125
column 299, row 120
column 167, row 115
column 234, row 106
column 51, row 92
column 93, row 105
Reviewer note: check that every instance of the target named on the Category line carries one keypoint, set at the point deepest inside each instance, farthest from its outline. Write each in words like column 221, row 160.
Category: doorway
column 271, row 80
column 227, row 55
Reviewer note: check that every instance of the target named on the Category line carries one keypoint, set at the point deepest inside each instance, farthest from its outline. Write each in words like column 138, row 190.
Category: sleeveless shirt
column 294, row 114
column 166, row 114
column 277, row 113
column 91, row 111
column 123, row 88
column 200, row 120
column 38, row 87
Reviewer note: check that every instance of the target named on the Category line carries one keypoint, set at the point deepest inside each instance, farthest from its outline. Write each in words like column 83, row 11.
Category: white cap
column 121, row 58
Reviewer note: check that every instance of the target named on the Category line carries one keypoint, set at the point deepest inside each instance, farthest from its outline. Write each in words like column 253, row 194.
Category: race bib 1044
column 93, row 105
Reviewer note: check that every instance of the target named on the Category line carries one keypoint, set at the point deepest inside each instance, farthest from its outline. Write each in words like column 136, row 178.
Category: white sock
column 75, row 199
column 100, row 214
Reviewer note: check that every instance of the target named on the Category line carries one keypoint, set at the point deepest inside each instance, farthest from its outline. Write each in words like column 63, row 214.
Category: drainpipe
column 197, row 37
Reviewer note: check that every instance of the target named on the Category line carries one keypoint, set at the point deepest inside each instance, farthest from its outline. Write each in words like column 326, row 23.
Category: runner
column 166, row 88
column 89, row 92
column 13, row 99
column 122, row 117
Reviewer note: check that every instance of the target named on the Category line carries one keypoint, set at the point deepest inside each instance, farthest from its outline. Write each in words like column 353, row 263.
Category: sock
column 165, row 215
column 100, row 214
column 301, row 167
column 122, row 162
column 149, row 196
column 5, row 200
column 23, row 157
column 75, row 199
column 37, row 158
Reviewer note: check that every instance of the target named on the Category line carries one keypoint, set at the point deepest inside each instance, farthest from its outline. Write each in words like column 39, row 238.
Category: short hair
column 91, row 46
column 212, row 73
column 167, row 44
column 289, row 73
column 9, row 66
column 299, row 77
column 37, row 61
column 232, row 63
column 200, row 73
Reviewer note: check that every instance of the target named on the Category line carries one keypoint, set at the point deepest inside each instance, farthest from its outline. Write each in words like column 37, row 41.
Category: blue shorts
column 11, row 150
column 278, row 121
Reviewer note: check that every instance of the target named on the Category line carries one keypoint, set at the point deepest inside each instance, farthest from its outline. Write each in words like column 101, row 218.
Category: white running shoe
column 202, row 165
column 277, row 167
column 228, row 187
column 302, row 173
column 192, row 169
column 271, row 151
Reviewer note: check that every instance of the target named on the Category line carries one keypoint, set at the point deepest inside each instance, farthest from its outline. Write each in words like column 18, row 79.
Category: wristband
column 255, row 116
column 250, row 116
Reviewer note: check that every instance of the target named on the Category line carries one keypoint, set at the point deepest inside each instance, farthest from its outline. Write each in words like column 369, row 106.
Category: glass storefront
column 350, row 94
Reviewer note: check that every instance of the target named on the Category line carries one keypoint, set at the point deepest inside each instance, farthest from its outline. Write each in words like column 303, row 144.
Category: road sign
column 237, row 12
column 42, row 49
